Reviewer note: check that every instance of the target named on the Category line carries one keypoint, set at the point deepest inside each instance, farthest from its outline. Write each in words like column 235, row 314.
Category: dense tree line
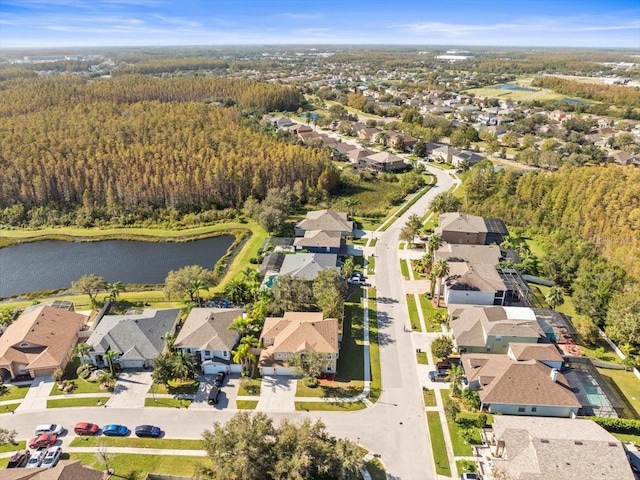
column 107, row 156
column 613, row 94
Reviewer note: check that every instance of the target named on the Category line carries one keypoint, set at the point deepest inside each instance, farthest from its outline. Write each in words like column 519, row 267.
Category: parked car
column 148, row 431
column 438, row 376
column 52, row 457
column 36, row 459
column 114, row 430
column 49, row 428
column 469, row 476
column 213, row 395
column 19, row 459
column 43, row 440
column 443, row 365
column 219, row 379
column 356, row 279
column 86, row 428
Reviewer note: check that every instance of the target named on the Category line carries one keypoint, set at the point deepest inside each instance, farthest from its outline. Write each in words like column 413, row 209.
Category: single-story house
column 320, row 241
column 454, row 252
column 489, row 329
column 326, row 220
column 297, row 332
column 466, row 159
column 39, row 341
column 308, row 265
column 383, row 162
column 474, row 284
column 135, row 336
column 206, row 334
column 456, row 227
column 525, row 386
column 536, row 448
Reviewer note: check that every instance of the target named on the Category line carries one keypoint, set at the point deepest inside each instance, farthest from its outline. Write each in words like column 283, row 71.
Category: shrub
column 618, row 425
column 57, row 375
column 451, row 409
column 481, row 421
column 7, row 436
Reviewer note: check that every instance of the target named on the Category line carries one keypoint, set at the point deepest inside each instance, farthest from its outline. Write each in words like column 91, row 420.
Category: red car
column 85, row 428
column 43, row 440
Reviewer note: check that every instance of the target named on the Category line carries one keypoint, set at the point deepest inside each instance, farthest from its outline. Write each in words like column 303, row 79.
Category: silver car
column 52, row 457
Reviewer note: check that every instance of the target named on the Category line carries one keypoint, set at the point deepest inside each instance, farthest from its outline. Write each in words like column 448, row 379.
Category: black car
column 213, row 395
column 148, row 431
column 219, row 379
column 19, row 459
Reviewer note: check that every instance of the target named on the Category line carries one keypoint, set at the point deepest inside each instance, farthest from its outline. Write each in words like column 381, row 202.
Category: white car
column 356, row 279
column 52, row 457
column 49, row 428
column 36, row 459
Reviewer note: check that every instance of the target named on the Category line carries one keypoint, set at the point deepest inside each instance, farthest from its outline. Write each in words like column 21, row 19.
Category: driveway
column 226, row 397
column 36, row 397
column 277, row 394
column 130, row 390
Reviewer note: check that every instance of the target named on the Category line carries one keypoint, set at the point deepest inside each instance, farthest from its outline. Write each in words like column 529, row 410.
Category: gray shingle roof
column 208, row 329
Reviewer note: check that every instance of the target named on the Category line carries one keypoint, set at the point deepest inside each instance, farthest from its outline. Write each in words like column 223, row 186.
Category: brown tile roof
column 208, row 329
column 535, row 351
column 507, row 381
column 461, row 222
column 386, row 158
column 539, row 448
column 50, row 333
column 355, row 155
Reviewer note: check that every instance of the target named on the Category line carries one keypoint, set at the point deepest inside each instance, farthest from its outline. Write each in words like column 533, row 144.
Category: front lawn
column 460, row 447
column 422, row 359
column 404, row 268
column 10, row 407
column 351, row 361
column 176, row 387
column 137, row 466
column 429, row 398
column 13, row 392
column 330, row 406
column 77, row 402
column 627, row 388
column 135, row 442
column 246, row 404
column 13, row 447
column 167, row 402
column 413, row 313
column 249, row 386
column 429, row 312
column 327, row 388
column 82, row 386
column 437, row 444
column 465, row 466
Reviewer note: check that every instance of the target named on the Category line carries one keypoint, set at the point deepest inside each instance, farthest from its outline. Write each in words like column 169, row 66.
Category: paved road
column 395, row 427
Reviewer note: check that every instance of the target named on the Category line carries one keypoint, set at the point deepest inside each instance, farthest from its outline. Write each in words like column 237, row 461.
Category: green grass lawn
column 437, row 444
column 465, row 466
column 176, row 387
column 460, row 447
column 627, row 387
column 429, row 312
column 375, row 388
column 10, row 407
column 327, row 388
column 77, row 402
column 404, row 268
column 13, row 447
column 246, row 404
column 376, row 470
column 14, row 392
column 330, row 407
column 429, row 398
column 137, row 466
column 373, row 241
column 624, row 437
column 167, row 402
column 135, row 442
column 249, row 386
column 371, row 265
column 422, row 359
column 413, row 313
column 82, row 386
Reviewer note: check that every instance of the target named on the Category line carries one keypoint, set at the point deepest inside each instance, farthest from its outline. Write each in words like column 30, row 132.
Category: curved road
column 395, row 427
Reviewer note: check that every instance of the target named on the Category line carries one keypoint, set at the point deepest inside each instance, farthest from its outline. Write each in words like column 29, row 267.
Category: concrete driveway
column 36, row 397
column 277, row 394
column 226, row 397
column 131, row 389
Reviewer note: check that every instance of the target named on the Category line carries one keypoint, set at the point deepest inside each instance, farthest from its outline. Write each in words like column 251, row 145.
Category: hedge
column 618, row 425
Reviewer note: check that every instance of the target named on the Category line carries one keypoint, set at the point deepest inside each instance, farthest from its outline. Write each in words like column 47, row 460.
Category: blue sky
column 54, row 23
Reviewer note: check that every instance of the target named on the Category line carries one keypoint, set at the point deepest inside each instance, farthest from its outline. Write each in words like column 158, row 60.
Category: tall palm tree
column 169, row 340
column 108, row 358
column 184, row 365
column 440, row 271
column 237, row 290
column 433, row 244
column 197, row 285
column 554, row 297
column 82, row 351
column 114, row 290
column 244, row 357
column 350, row 204
column 107, row 379
column 455, row 376
column 426, row 262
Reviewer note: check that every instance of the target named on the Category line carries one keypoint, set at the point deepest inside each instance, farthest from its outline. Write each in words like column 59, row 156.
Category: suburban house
column 383, row 162
column 444, row 152
column 320, row 241
column 465, row 159
column 482, row 329
column 135, row 336
column 454, row 252
column 326, row 220
column 456, row 227
column 523, row 382
column 39, row 342
column 535, row 448
column 297, row 332
column 206, row 334
column 308, row 265
column 357, row 154
column 474, row 284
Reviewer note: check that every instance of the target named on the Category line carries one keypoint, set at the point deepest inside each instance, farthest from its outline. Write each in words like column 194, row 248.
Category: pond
column 53, row 264
column 571, row 101
column 515, row 88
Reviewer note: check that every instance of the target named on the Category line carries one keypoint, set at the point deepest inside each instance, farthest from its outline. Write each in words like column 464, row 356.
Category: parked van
column 213, row 395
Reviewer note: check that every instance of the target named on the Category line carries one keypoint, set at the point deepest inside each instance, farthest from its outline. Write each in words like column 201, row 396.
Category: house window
column 521, row 409
column 534, row 409
column 225, row 354
column 488, row 349
column 498, row 338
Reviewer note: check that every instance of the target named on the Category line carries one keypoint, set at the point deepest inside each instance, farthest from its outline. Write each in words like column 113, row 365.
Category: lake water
column 515, row 88
column 572, row 101
column 52, row 264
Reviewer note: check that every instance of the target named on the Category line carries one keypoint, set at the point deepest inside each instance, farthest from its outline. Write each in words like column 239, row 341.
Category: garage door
column 131, row 363
column 213, row 368
column 287, row 371
column 267, row 371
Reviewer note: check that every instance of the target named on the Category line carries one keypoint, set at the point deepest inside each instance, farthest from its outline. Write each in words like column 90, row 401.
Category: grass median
column 77, row 402
column 134, row 442
column 438, row 446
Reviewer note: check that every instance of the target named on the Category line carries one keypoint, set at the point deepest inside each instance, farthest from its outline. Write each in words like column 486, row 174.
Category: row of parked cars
column 218, row 381
column 440, row 373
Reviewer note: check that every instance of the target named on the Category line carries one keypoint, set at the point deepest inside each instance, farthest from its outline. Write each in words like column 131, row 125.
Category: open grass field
column 135, row 442
column 541, row 94
column 438, row 446
column 137, row 466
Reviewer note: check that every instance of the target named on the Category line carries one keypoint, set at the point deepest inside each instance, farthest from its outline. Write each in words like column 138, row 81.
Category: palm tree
column 440, row 271
column 243, row 356
column 455, row 376
column 350, row 204
column 169, row 340
column 426, row 262
column 236, row 290
column 554, row 297
column 433, row 244
column 197, row 285
column 184, row 365
column 114, row 290
column 107, row 379
column 245, row 325
column 81, row 351
column 108, row 358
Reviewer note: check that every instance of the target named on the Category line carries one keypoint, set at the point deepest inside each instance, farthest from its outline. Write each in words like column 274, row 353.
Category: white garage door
column 131, row 363
column 213, row 368
column 287, row 371
column 268, row 371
